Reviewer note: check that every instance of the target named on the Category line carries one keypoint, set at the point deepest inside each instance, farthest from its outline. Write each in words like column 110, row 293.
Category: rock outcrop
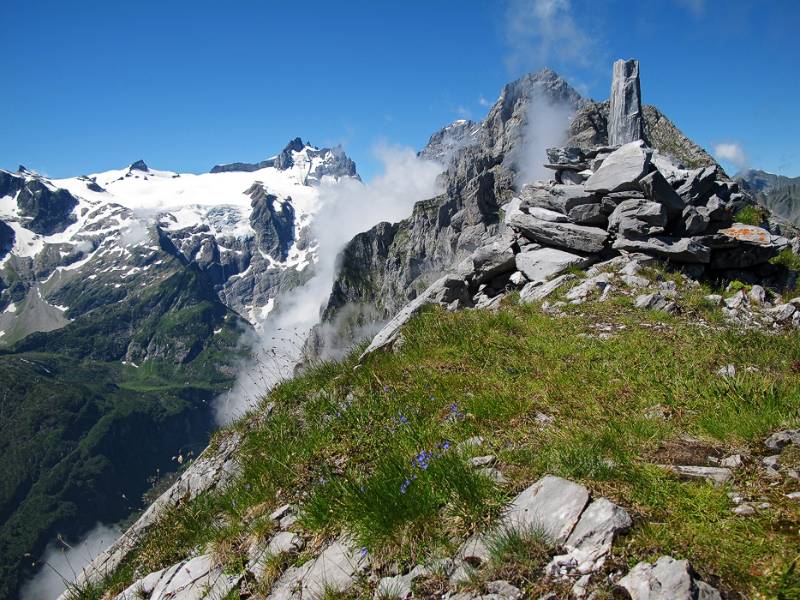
column 242, row 166
column 562, row 511
column 666, row 579
column 273, row 221
column 45, row 209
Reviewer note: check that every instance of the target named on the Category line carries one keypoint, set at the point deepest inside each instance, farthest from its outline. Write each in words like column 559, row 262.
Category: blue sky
column 92, row 85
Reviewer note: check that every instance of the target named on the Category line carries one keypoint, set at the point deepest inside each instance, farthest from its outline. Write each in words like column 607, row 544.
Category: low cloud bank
column 731, row 152
column 546, row 127
column 62, row 562
column 348, row 207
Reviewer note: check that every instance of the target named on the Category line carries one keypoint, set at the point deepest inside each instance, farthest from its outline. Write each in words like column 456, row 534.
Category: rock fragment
column 780, row 439
column 542, row 264
column 621, row 170
column 552, row 505
column 667, row 579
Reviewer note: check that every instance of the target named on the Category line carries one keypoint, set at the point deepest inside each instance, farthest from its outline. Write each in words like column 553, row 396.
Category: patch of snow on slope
column 26, row 243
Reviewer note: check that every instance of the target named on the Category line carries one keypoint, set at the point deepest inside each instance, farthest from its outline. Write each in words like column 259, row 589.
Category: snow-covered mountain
column 124, row 299
column 247, row 226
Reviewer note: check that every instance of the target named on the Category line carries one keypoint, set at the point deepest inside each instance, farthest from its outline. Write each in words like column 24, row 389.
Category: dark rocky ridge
column 273, row 222
column 243, row 167
column 6, row 239
column 443, row 144
column 335, row 162
column 779, row 194
column 10, row 183
column 46, row 210
column 589, row 128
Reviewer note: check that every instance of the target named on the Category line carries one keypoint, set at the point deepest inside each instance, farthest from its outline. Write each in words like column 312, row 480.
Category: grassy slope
column 345, row 443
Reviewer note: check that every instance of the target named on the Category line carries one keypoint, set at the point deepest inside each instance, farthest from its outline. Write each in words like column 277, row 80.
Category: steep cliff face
column 45, row 209
column 6, row 239
column 273, row 222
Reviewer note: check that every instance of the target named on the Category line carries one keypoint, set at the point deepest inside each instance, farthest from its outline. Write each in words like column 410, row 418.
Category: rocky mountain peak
column 284, row 160
column 316, row 162
column 139, row 165
column 273, row 221
column 544, row 83
column 504, row 125
column 443, row 144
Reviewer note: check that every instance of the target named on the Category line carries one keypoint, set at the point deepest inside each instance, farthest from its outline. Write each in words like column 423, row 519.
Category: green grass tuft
column 750, row 215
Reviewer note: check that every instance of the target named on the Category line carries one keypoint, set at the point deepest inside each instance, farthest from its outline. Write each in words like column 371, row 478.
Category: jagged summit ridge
column 443, row 144
column 779, row 194
column 317, row 162
column 502, row 130
column 139, row 165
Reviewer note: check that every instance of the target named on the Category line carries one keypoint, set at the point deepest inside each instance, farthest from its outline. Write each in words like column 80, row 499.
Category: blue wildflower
column 422, row 460
column 363, row 552
column 404, row 486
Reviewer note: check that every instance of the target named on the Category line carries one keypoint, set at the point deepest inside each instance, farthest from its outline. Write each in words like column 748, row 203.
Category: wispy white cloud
column 347, row 208
column 463, row 112
column 696, row 7
column 483, row 101
column 538, row 32
column 731, row 152
column 62, row 562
